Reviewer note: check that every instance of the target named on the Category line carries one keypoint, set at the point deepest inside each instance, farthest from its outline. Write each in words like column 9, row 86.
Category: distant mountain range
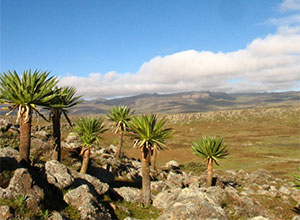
column 188, row 102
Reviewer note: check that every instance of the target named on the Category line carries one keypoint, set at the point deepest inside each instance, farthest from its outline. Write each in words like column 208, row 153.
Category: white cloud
column 290, row 5
column 271, row 63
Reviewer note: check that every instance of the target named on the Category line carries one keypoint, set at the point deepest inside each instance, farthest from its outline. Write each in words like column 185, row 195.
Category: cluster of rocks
column 180, row 195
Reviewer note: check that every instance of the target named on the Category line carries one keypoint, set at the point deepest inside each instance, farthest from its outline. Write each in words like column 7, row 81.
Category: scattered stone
column 8, row 152
column 172, row 164
column 6, row 213
column 176, row 179
column 22, row 184
column 258, row 218
column 71, row 138
column 83, row 200
column 95, row 185
column 129, row 194
column 58, row 174
column 56, row 216
column 4, row 125
column 193, row 204
column 284, row 190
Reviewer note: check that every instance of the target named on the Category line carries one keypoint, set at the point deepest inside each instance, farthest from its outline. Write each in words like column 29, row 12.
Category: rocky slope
column 57, row 187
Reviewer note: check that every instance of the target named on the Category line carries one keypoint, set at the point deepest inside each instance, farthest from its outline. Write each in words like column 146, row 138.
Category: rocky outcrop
column 193, row 204
column 84, row 201
column 129, row 194
column 22, row 184
column 97, row 187
column 58, row 174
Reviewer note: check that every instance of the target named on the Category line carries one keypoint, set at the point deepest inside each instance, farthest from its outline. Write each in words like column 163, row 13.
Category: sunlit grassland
column 266, row 138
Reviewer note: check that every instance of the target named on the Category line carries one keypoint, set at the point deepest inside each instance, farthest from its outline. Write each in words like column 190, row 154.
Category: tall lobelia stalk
column 147, row 132
column 120, row 116
column 24, row 94
column 65, row 99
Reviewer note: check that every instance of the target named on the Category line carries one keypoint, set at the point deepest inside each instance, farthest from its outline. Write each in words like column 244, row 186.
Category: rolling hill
column 188, row 102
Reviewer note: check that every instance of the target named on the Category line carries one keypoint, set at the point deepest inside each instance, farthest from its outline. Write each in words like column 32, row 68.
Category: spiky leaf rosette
column 65, row 98
column 210, row 148
column 88, row 130
column 30, row 90
column 147, row 131
column 120, row 116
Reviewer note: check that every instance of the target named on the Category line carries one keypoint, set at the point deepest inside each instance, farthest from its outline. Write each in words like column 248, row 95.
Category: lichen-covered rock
column 6, row 213
column 95, row 185
column 157, row 186
column 172, row 164
column 165, row 198
column 4, row 125
column 129, row 194
column 71, row 138
column 22, row 184
column 176, row 179
column 56, row 216
column 8, row 152
column 83, row 200
column 193, row 204
column 258, row 218
column 58, row 174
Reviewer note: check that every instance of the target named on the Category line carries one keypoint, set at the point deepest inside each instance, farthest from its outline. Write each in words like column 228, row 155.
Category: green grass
column 136, row 210
column 71, row 212
column 21, row 211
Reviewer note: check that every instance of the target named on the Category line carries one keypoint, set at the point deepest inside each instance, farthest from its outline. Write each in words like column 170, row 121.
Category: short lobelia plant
column 120, row 116
column 25, row 94
column 88, row 130
column 147, row 132
column 211, row 149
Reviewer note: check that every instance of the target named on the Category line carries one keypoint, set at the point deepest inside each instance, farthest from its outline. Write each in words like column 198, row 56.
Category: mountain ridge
column 189, row 102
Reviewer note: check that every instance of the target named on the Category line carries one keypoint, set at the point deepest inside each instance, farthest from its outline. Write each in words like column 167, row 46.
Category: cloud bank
column 271, row 63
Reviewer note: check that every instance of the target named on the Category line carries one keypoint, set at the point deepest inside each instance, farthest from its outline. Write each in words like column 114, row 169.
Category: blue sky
column 116, row 48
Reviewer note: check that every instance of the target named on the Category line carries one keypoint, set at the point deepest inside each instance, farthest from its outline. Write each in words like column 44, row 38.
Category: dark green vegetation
column 88, row 131
column 120, row 116
column 188, row 102
column 211, row 149
column 24, row 94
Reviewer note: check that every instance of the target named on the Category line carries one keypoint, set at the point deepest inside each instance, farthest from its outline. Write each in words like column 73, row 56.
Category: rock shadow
column 53, row 196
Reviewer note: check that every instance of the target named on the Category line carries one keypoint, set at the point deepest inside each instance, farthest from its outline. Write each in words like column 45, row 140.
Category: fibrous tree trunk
column 153, row 158
column 120, row 143
column 85, row 161
column 25, row 135
column 146, row 190
column 209, row 172
column 56, row 114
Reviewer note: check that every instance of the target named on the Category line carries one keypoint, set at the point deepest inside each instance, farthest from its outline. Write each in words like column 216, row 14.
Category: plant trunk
column 56, row 134
column 25, row 135
column 153, row 158
column 120, row 143
column 85, row 160
column 146, row 190
column 209, row 172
